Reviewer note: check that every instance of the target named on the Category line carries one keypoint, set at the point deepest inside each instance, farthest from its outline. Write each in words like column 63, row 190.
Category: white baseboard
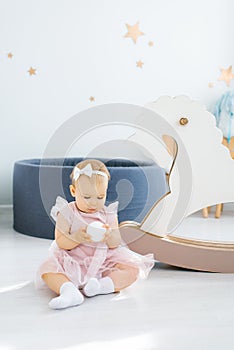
column 6, row 206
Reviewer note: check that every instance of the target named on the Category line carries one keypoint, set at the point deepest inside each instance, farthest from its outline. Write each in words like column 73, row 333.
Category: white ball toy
column 96, row 231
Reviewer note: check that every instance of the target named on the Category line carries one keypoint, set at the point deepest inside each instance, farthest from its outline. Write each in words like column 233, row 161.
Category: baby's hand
column 81, row 236
column 107, row 234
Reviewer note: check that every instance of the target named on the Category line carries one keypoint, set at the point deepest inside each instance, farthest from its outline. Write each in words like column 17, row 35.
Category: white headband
column 88, row 171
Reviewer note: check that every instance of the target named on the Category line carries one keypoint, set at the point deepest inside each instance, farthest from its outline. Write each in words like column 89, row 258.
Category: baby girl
column 79, row 263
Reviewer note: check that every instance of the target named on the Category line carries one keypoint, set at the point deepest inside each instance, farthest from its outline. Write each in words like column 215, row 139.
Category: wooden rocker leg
column 218, row 210
column 205, row 212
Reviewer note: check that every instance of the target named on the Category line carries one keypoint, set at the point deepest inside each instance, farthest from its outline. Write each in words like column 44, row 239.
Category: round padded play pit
column 136, row 185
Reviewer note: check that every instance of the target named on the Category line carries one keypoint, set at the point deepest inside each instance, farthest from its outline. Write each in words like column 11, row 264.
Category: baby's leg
column 60, row 284
column 54, row 280
column 113, row 281
column 124, row 276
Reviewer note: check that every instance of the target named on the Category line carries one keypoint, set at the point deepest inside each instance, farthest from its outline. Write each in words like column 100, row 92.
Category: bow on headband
column 88, row 171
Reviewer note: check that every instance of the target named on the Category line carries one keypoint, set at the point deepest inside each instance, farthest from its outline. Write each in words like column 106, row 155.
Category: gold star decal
column 139, row 64
column 133, row 32
column 226, row 75
column 151, row 43
column 211, row 85
column 92, row 99
column 9, row 55
column 32, row 71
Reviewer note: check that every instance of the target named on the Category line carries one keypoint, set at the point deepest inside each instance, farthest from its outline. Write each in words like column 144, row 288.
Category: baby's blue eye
column 86, row 197
column 100, row 197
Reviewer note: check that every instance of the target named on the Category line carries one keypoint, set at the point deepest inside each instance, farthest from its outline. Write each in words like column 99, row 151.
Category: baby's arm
column 113, row 235
column 64, row 239
column 62, row 230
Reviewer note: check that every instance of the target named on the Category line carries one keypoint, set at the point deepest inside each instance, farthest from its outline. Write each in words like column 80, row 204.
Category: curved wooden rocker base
column 185, row 253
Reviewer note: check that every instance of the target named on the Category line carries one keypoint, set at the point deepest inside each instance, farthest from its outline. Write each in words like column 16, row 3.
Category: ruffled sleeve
column 61, row 206
column 112, row 213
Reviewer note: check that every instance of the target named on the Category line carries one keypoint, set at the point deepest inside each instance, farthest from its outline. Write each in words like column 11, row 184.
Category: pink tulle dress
column 90, row 259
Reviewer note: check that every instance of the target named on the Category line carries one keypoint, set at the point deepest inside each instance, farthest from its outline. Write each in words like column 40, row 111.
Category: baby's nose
column 93, row 202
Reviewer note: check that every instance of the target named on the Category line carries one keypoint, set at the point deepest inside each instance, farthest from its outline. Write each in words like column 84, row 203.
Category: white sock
column 69, row 296
column 94, row 286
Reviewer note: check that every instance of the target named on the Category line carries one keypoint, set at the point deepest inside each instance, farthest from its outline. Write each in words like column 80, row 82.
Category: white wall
column 79, row 50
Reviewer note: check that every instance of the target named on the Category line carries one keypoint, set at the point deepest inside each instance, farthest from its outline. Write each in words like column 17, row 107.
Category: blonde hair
column 95, row 164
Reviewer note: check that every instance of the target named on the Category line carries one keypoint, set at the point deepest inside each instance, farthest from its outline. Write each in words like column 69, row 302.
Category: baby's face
column 90, row 193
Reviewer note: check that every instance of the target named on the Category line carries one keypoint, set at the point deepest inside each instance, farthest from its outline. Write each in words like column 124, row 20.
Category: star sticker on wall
column 133, row 32
column 92, row 99
column 151, row 43
column 139, row 64
column 226, row 75
column 9, row 55
column 32, row 71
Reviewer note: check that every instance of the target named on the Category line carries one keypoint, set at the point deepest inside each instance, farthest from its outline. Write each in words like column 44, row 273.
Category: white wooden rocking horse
column 203, row 165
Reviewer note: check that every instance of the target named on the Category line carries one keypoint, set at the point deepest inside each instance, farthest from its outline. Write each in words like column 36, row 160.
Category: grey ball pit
column 148, row 183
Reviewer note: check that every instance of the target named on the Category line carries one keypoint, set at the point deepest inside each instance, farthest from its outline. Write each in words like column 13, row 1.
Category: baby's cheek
column 101, row 203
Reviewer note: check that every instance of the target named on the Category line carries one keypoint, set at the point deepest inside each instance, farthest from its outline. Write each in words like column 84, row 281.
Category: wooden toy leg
column 218, row 210
column 205, row 212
